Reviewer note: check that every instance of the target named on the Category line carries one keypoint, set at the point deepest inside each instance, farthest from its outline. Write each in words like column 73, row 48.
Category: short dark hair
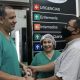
column 2, row 9
column 77, row 21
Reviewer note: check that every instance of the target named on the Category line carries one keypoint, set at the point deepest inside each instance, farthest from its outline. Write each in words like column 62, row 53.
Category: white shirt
column 67, row 65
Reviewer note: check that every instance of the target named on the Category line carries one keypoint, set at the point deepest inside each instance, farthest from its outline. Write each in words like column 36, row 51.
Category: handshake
column 28, row 75
column 29, row 71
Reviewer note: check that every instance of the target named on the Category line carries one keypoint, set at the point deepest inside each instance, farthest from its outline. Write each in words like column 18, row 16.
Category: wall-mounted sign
column 49, row 16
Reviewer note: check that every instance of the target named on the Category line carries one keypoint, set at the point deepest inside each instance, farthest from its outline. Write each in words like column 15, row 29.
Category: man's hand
column 27, row 70
column 29, row 78
column 33, row 69
column 28, row 73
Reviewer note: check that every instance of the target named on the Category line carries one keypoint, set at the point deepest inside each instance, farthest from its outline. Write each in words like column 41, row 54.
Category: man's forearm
column 51, row 78
column 5, row 76
column 47, row 67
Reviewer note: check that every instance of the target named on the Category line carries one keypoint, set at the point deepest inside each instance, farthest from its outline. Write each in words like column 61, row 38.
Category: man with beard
column 67, row 66
column 9, row 65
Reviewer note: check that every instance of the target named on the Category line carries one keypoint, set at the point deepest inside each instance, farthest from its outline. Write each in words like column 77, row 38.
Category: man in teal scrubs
column 9, row 65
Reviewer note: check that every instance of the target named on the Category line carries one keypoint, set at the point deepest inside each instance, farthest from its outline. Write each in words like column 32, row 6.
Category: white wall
column 16, row 33
column 21, row 21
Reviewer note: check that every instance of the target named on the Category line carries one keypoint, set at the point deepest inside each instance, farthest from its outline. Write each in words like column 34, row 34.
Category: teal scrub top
column 42, row 59
column 8, row 56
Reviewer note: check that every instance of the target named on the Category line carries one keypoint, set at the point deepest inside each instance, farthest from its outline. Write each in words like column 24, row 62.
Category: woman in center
column 49, row 54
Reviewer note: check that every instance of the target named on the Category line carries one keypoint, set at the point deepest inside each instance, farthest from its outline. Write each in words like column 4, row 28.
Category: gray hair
column 50, row 37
